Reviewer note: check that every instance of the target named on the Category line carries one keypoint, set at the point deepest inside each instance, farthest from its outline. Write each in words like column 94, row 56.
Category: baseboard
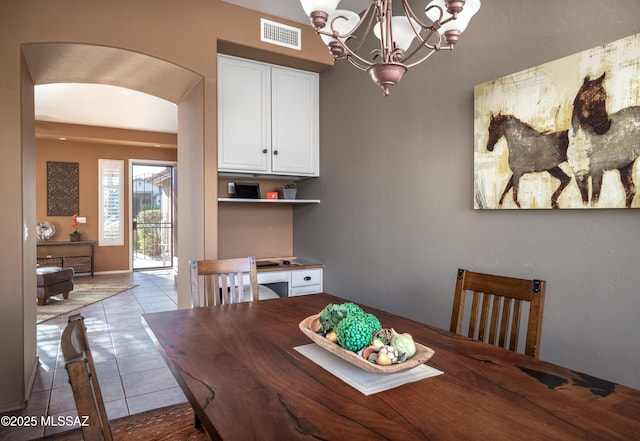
column 32, row 380
column 11, row 407
column 112, row 272
column 20, row 405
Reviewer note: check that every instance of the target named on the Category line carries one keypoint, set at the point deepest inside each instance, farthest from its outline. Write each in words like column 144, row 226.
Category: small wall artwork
column 565, row 134
column 63, row 189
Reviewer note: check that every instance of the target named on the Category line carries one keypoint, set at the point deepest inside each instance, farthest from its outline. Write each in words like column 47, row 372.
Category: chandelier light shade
column 319, row 10
column 403, row 34
column 437, row 28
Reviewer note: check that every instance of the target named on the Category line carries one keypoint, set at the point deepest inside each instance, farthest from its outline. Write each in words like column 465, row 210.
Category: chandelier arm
column 351, row 55
column 453, row 16
column 433, row 51
column 431, row 30
column 353, row 62
column 355, row 29
column 424, row 42
column 386, row 35
column 409, row 13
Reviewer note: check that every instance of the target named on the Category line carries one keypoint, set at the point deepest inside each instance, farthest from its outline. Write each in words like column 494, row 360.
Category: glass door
column 152, row 210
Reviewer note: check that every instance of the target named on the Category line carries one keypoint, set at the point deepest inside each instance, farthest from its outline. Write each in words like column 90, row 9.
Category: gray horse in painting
column 530, row 151
column 601, row 142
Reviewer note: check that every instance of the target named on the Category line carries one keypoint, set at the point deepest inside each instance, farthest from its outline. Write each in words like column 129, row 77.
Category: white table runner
column 365, row 382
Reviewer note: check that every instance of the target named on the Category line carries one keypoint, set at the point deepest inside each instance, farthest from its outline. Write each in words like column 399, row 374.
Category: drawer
column 79, row 264
column 50, row 261
column 302, row 290
column 306, row 277
column 270, row 277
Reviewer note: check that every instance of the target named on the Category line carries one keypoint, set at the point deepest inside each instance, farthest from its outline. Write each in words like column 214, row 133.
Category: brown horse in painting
column 530, row 151
column 601, row 142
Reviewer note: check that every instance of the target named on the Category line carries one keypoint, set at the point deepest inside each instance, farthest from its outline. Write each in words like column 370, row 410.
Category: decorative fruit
column 403, row 343
column 377, row 343
column 315, row 325
column 332, row 336
column 368, row 351
column 390, row 352
column 384, row 359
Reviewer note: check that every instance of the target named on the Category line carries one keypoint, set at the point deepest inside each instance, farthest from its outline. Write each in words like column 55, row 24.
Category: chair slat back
column 222, row 280
column 84, row 381
column 496, row 310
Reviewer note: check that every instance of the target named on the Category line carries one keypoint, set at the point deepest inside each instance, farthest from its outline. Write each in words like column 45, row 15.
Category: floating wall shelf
column 271, row 201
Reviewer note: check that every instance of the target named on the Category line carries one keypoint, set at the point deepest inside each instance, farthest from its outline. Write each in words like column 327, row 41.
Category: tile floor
column 132, row 374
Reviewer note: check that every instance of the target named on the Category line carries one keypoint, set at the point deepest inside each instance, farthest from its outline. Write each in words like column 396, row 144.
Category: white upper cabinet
column 244, row 111
column 267, row 119
column 294, row 121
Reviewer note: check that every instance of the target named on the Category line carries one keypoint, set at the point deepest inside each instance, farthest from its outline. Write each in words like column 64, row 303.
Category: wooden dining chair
column 496, row 309
column 84, row 381
column 89, row 402
column 223, row 280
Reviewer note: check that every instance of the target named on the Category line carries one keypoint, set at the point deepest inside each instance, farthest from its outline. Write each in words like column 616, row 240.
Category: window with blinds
column 111, row 198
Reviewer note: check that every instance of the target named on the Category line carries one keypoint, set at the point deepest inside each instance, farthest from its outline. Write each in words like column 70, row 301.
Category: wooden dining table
column 239, row 370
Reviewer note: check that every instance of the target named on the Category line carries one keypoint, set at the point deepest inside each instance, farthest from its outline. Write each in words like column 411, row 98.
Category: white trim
column 103, row 164
column 152, row 162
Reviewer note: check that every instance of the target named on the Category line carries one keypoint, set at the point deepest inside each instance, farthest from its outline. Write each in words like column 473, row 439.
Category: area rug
column 169, row 423
column 82, row 295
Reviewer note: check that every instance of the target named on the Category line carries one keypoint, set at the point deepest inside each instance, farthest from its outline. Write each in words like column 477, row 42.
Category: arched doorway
column 85, row 63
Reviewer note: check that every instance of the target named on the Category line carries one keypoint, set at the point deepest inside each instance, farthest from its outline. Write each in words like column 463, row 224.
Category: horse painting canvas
column 565, row 134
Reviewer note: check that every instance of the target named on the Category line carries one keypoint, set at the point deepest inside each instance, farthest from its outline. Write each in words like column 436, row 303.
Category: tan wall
column 98, row 143
column 258, row 229
column 186, row 33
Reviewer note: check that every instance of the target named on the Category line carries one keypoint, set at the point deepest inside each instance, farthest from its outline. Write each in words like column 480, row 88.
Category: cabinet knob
column 307, row 278
column 275, row 152
column 264, row 150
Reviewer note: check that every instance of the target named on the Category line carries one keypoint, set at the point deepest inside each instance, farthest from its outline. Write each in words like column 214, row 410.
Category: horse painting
column 602, row 142
column 530, row 151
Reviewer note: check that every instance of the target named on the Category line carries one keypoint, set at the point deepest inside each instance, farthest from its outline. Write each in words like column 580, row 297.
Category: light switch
column 82, row 220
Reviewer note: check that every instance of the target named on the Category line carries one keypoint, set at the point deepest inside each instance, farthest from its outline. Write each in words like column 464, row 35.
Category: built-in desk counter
column 294, row 279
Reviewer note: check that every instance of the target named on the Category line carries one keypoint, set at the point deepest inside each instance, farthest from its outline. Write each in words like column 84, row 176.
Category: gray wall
column 397, row 219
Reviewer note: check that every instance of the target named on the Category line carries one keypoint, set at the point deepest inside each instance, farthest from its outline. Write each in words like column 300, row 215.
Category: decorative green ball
column 352, row 308
column 355, row 331
column 332, row 314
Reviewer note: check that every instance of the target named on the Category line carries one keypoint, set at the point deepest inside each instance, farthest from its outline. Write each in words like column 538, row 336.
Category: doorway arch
column 59, row 62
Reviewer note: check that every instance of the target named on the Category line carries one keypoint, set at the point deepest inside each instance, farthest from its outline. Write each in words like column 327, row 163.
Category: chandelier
column 338, row 29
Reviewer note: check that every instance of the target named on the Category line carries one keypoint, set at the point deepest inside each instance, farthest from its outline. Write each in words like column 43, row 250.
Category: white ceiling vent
column 280, row 34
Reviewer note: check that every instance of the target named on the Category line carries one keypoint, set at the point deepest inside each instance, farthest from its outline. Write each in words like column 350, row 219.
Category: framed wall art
column 63, row 188
column 565, row 134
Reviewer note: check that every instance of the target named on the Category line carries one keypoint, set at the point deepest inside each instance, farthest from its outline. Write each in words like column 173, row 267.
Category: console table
column 77, row 255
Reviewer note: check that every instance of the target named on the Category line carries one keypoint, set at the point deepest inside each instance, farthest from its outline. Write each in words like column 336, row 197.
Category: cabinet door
column 243, row 115
column 294, row 125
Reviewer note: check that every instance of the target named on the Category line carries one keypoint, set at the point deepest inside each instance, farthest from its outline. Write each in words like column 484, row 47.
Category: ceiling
column 110, row 104
column 292, row 9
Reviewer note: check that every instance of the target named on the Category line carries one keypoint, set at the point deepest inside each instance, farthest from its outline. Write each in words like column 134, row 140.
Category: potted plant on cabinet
column 289, row 190
column 75, row 236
